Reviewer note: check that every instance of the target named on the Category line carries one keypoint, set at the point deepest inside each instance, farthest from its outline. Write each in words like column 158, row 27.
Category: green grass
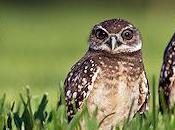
column 35, row 114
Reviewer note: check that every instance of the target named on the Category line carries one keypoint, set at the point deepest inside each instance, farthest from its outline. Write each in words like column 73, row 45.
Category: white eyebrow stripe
column 100, row 27
column 127, row 27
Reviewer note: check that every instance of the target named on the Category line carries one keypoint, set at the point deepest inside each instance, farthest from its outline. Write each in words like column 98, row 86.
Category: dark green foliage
column 154, row 119
column 9, row 121
column 2, row 111
column 24, row 115
column 40, row 114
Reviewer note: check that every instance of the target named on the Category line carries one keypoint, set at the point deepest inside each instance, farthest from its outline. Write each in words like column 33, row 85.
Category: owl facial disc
column 115, row 36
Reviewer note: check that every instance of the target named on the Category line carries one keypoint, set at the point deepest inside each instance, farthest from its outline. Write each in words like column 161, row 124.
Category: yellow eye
column 127, row 34
column 101, row 34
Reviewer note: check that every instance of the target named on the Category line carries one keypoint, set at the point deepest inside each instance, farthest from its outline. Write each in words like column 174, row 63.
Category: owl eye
column 101, row 34
column 127, row 34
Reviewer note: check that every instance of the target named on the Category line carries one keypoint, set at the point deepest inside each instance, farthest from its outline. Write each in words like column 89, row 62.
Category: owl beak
column 113, row 42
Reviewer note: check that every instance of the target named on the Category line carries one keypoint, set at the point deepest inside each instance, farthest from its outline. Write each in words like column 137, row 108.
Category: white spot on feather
column 91, row 69
column 71, row 74
column 84, row 81
column 85, row 71
column 91, row 61
column 74, row 94
column 68, row 94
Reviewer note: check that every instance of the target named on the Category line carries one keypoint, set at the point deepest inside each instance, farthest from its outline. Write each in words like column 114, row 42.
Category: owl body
column 120, row 83
column 167, row 77
column 113, row 82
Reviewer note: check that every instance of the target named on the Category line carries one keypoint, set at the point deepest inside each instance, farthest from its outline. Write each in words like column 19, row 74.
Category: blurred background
column 41, row 39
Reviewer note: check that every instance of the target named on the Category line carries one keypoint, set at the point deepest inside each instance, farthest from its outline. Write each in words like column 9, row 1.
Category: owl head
column 115, row 36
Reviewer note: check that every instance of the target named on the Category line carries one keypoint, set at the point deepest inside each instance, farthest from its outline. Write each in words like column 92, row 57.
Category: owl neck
column 134, row 58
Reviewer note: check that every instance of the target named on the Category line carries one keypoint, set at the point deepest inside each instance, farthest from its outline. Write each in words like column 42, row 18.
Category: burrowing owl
column 111, row 74
column 167, row 77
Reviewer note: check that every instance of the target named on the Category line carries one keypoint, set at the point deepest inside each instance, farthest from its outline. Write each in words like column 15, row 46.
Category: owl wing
column 144, row 93
column 79, row 83
column 167, row 73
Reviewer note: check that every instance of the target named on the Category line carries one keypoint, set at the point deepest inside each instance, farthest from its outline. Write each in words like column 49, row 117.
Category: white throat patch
column 126, row 48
